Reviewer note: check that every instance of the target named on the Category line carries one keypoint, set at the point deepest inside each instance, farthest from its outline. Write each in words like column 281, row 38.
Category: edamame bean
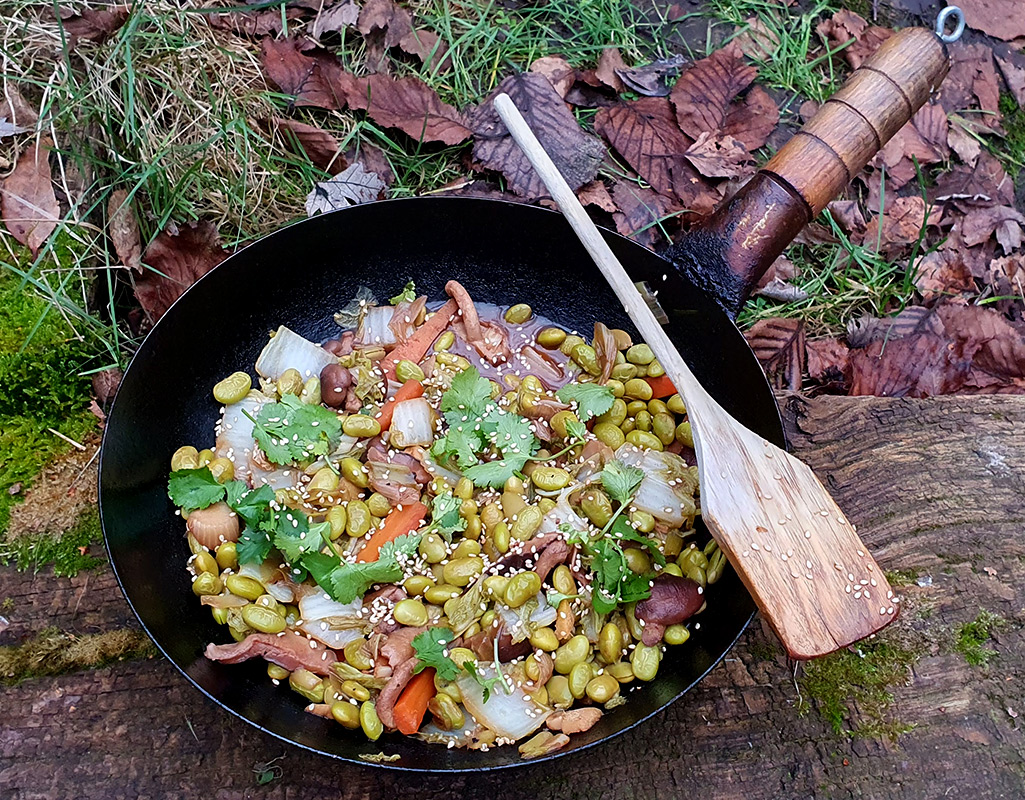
column 655, row 370
column 596, row 507
column 447, row 714
column 307, row 684
column 562, row 580
column 544, row 639
column 621, row 671
column 616, row 387
column 206, row 456
column 642, row 421
column 262, row 619
column 616, row 414
column 370, row 722
column 378, row 505
column 579, row 677
column 222, row 469
column 290, row 382
column 521, row 588
column 673, row 569
column 527, row 522
column 244, row 586
column 466, row 548
column 561, row 420
column 310, row 394
column 518, row 314
column 638, row 388
column 361, row 426
column 416, row 585
column 644, row 661
column 406, row 370
column 640, row 354
column 571, row 653
column 356, row 656
column 664, row 427
column 637, row 560
column 584, row 355
column 207, row 583
column 345, row 714
column 559, row 694
column 441, row 594
column 642, row 521
column 277, row 673
column 473, row 527
column 676, row 634
column 501, row 537
column 432, row 548
column 549, row 479
column 602, row 688
column 551, row 338
column 610, row 642
column 462, row 571
column 324, row 480
column 337, row 519
column 675, row 404
column 227, row 555
column 609, row 434
column 409, row 612
column 684, row 435
column 644, row 439
column 495, row 586
column 354, row 472
column 624, row 373
column 444, row 342
column 186, row 457
column 233, row 388
column 204, row 562
column 359, row 518
column 571, row 341
column 656, row 406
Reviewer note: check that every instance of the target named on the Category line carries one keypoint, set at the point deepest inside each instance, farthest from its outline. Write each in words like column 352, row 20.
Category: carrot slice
column 661, row 386
column 412, row 703
column 399, row 523
column 416, row 346
column 407, row 391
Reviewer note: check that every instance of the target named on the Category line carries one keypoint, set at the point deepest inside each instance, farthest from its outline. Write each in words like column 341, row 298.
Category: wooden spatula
column 798, row 555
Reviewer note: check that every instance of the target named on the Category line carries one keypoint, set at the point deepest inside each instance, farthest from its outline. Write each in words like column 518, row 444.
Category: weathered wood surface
column 934, row 485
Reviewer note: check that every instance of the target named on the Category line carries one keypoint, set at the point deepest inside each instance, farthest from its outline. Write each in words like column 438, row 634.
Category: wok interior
column 503, row 253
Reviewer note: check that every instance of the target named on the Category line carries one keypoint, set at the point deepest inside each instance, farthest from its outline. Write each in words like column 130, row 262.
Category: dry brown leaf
column 808, row 109
column 1002, row 19
column 716, row 157
column 16, row 109
column 93, row 24
column 385, row 19
column 931, row 122
column 638, row 211
column 123, row 229
column 779, row 346
column 964, row 144
column 105, row 384
column 899, row 155
column 757, row 40
column 430, row 48
column 912, row 320
column 843, row 26
column 943, row 272
column 609, row 63
column 374, row 159
column 352, row 186
column 848, row 216
column 254, row 24
column 997, row 347
column 314, row 79
column 972, row 80
column 1013, row 70
column 596, row 194
column 315, row 143
column 827, row 360
column 652, row 80
column 334, row 19
column 558, row 71
column 410, row 105
column 27, row 202
column 704, row 92
column 752, row 120
column 1004, row 221
column 919, row 365
column 984, row 184
column 866, row 45
column 644, row 132
column 1006, row 277
column 177, row 258
column 577, row 154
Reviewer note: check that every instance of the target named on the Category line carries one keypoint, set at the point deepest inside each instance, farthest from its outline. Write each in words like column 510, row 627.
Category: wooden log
column 936, row 486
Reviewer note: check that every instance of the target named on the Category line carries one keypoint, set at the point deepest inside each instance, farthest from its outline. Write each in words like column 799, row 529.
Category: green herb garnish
column 291, row 430
column 430, row 647
column 408, row 294
column 592, row 399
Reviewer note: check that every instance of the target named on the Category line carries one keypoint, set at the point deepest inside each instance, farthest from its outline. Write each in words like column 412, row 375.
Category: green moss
column 970, row 637
column 763, row 651
column 1012, row 150
column 863, row 676
column 7, row 604
column 64, row 550
column 40, row 365
column 54, row 652
column 902, row 577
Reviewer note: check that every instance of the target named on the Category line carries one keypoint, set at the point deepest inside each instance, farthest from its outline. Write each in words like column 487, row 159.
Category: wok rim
column 396, row 766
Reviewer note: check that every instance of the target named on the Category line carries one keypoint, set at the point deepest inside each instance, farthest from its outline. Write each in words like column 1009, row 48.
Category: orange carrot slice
column 416, row 346
column 399, row 523
column 412, row 703
column 661, row 386
column 407, row 391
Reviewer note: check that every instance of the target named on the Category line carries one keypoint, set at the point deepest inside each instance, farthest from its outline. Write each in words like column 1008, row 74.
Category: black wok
column 503, row 253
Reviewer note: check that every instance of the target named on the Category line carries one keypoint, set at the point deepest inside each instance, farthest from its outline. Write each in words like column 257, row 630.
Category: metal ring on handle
column 941, row 24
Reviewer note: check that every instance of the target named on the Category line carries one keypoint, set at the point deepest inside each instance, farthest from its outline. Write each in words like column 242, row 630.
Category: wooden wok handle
column 855, row 123
column 730, row 251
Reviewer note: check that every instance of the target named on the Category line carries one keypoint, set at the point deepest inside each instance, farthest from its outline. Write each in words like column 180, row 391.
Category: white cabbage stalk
column 329, row 622
column 667, row 491
column 562, row 514
column 511, row 715
column 235, row 432
column 288, row 350
column 375, row 327
column 412, row 424
column 521, row 622
column 271, row 578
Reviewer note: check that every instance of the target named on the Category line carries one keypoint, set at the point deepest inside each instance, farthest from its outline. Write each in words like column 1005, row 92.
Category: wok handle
column 731, row 250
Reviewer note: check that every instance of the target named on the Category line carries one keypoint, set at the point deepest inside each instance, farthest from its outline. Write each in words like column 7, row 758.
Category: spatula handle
column 855, row 123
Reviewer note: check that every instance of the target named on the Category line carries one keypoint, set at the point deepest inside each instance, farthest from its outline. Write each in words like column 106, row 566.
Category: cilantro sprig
column 445, row 518
column 345, row 581
column 430, row 648
column 592, row 399
column 291, row 430
column 408, row 294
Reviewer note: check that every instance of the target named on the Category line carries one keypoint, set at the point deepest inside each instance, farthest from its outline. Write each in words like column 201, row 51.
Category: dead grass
column 54, row 652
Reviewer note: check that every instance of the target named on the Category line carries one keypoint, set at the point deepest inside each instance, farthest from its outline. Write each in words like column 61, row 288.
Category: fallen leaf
column 314, row 79
column 703, row 93
column 827, row 359
column 335, row 19
column 387, row 19
column 912, row 320
column 610, row 62
column 781, row 292
column 645, row 133
column 638, row 211
column 866, row 45
column 410, row 105
column 919, row 365
column 984, row 184
column 718, row 157
column 779, row 346
column 176, row 259
column 848, row 216
column 315, row 143
column 374, row 160
column 900, row 153
column 27, row 203
column 93, row 24
column 105, row 384
column 1006, row 277
column 932, row 124
column 430, row 48
column 576, row 153
column 981, row 223
column 1002, row 19
column 752, row 120
column 757, row 40
column 596, row 194
column 352, row 186
column 16, row 109
column 96, row 411
column 652, row 80
column 467, row 187
column 254, row 24
column 998, row 348
column 848, row 28
column 123, row 229
column 943, row 272
column 963, row 143
column 1013, row 70
column 558, row 71
column 972, row 76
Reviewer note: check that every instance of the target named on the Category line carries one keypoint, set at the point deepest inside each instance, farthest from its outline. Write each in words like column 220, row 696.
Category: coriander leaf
column 621, row 481
column 194, row 488
column 292, row 430
column 576, row 429
column 430, row 652
column 408, row 294
column 467, row 396
column 592, row 399
column 621, row 529
column 251, row 505
column 445, row 517
column 470, row 667
column 458, row 445
column 554, row 598
column 404, row 545
column 320, row 566
column 253, row 546
column 348, row 581
column 513, row 434
column 614, row 582
column 496, row 473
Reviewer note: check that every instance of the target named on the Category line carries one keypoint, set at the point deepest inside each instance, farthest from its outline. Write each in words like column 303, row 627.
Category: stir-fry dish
column 468, row 524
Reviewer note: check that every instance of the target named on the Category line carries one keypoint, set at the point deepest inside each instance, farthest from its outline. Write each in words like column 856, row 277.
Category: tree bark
column 935, row 486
